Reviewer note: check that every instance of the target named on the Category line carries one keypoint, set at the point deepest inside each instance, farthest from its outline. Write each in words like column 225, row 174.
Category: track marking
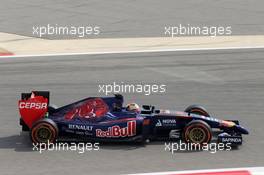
column 227, row 171
column 124, row 52
column 4, row 52
column 23, row 46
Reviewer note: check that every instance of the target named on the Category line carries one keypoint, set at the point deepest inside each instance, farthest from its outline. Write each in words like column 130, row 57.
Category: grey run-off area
column 228, row 83
column 127, row 18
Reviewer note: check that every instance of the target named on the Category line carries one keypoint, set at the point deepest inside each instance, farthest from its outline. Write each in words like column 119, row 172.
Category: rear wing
column 32, row 107
column 46, row 94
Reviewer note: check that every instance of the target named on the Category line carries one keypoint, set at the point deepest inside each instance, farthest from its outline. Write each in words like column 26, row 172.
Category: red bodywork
column 33, row 109
column 92, row 108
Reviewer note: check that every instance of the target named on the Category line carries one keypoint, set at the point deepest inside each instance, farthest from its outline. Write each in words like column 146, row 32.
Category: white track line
column 134, row 51
column 23, row 46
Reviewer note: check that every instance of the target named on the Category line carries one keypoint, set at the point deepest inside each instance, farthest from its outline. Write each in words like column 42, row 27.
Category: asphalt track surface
column 229, row 83
column 126, row 18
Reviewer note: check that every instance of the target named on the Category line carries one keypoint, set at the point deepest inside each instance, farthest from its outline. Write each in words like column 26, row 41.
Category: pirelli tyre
column 198, row 132
column 196, row 109
column 44, row 131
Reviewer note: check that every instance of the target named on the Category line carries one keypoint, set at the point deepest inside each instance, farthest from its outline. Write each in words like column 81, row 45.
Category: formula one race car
column 105, row 119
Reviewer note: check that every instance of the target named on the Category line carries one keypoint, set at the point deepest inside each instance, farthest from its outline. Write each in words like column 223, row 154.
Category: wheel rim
column 197, row 135
column 43, row 133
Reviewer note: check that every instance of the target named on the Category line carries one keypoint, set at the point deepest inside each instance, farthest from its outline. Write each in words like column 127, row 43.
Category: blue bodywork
column 113, row 122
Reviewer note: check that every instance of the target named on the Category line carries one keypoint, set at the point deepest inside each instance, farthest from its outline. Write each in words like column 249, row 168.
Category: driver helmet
column 133, row 107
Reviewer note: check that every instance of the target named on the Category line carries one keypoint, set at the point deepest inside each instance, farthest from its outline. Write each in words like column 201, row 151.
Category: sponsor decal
column 117, row 131
column 33, row 109
column 169, row 121
column 80, row 127
column 232, row 140
column 166, row 122
column 158, row 123
column 34, row 102
column 32, row 105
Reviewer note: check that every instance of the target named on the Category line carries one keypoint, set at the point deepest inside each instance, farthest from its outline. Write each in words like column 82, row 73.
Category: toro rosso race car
column 105, row 119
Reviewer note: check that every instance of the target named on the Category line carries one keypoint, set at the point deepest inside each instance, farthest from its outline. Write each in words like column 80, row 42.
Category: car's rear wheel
column 198, row 132
column 196, row 109
column 44, row 131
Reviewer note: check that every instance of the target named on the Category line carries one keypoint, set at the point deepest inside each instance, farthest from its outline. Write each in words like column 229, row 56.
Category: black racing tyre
column 44, row 131
column 197, row 131
column 196, row 109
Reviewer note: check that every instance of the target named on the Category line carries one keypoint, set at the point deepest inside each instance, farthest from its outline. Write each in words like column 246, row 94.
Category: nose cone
column 242, row 129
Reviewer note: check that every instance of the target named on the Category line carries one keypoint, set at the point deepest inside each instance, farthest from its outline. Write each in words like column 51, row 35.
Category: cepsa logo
column 32, row 105
column 117, row 131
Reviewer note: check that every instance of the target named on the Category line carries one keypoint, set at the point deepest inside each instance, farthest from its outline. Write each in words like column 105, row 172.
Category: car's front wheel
column 198, row 132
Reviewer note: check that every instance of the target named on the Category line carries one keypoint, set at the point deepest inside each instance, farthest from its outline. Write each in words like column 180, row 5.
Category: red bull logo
column 117, row 131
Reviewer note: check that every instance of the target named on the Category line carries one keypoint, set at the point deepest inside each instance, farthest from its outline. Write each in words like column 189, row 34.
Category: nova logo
column 169, row 121
column 158, row 123
column 117, row 131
